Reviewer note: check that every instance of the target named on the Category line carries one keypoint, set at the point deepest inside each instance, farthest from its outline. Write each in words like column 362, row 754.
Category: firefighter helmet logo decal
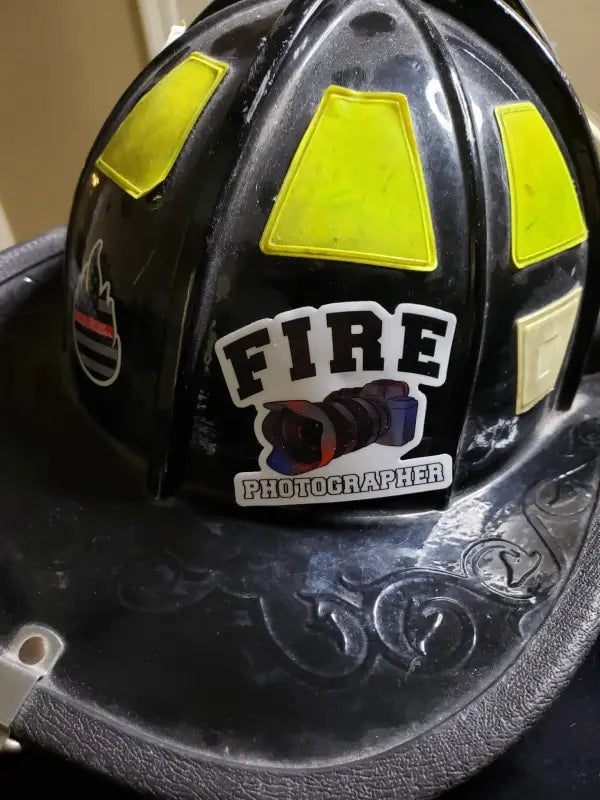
column 97, row 341
column 337, row 391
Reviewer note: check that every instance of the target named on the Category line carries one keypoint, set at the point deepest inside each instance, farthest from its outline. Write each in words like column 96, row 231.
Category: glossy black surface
column 152, row 246
column 505, row 27
column 297, row 654
column 253, row 642
column 194, row 246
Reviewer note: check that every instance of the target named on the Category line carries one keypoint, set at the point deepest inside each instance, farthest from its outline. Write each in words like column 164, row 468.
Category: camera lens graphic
column 306, row 436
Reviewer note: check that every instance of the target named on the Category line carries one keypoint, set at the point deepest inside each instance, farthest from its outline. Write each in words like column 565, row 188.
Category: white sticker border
column 315, row 389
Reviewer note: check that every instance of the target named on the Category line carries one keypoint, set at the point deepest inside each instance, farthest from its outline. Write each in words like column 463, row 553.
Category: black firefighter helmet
column 331, row 284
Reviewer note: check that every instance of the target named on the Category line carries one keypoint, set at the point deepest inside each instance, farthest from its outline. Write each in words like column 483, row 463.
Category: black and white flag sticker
column 97, row 341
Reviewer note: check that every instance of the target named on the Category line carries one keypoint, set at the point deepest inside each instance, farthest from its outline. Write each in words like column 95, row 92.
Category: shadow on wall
column 63, row 66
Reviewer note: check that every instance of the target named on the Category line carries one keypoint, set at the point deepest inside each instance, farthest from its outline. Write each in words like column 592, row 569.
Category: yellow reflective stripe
column 542, row 342
column 355, row 190
column 545, row 210
column 143, row 150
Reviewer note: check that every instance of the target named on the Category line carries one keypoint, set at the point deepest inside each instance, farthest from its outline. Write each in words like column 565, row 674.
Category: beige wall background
column 64, row 64
column 574, row 27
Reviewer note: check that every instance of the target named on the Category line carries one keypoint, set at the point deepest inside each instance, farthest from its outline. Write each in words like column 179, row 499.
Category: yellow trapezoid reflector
column 143, row 150
column 355, row 190
column 545, row 210
column 542, row 342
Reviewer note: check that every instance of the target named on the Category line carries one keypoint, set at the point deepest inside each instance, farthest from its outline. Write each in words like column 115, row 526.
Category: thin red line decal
column 93, row 324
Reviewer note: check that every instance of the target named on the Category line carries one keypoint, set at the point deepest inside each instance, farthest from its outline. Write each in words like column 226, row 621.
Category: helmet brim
column 229, row 654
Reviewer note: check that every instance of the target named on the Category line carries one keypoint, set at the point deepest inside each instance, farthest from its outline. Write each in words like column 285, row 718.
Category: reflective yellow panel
column 142, row 152
column 355, row 190
column 543, row 339
column 545, row 210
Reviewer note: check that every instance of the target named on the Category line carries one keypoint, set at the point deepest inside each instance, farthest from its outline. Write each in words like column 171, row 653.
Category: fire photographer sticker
column 97, row 341
column 338, row 399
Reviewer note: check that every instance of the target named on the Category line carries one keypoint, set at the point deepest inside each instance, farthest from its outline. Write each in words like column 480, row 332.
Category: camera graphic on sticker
column 306, row 436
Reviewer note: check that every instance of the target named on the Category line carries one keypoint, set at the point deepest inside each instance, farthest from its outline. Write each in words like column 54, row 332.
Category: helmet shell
column 186, row 265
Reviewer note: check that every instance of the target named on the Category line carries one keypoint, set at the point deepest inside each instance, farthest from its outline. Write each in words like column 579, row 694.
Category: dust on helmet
column 265, row 232
column 328, row 452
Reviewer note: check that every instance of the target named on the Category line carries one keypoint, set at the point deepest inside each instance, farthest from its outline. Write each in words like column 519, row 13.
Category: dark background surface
column 558, row 759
